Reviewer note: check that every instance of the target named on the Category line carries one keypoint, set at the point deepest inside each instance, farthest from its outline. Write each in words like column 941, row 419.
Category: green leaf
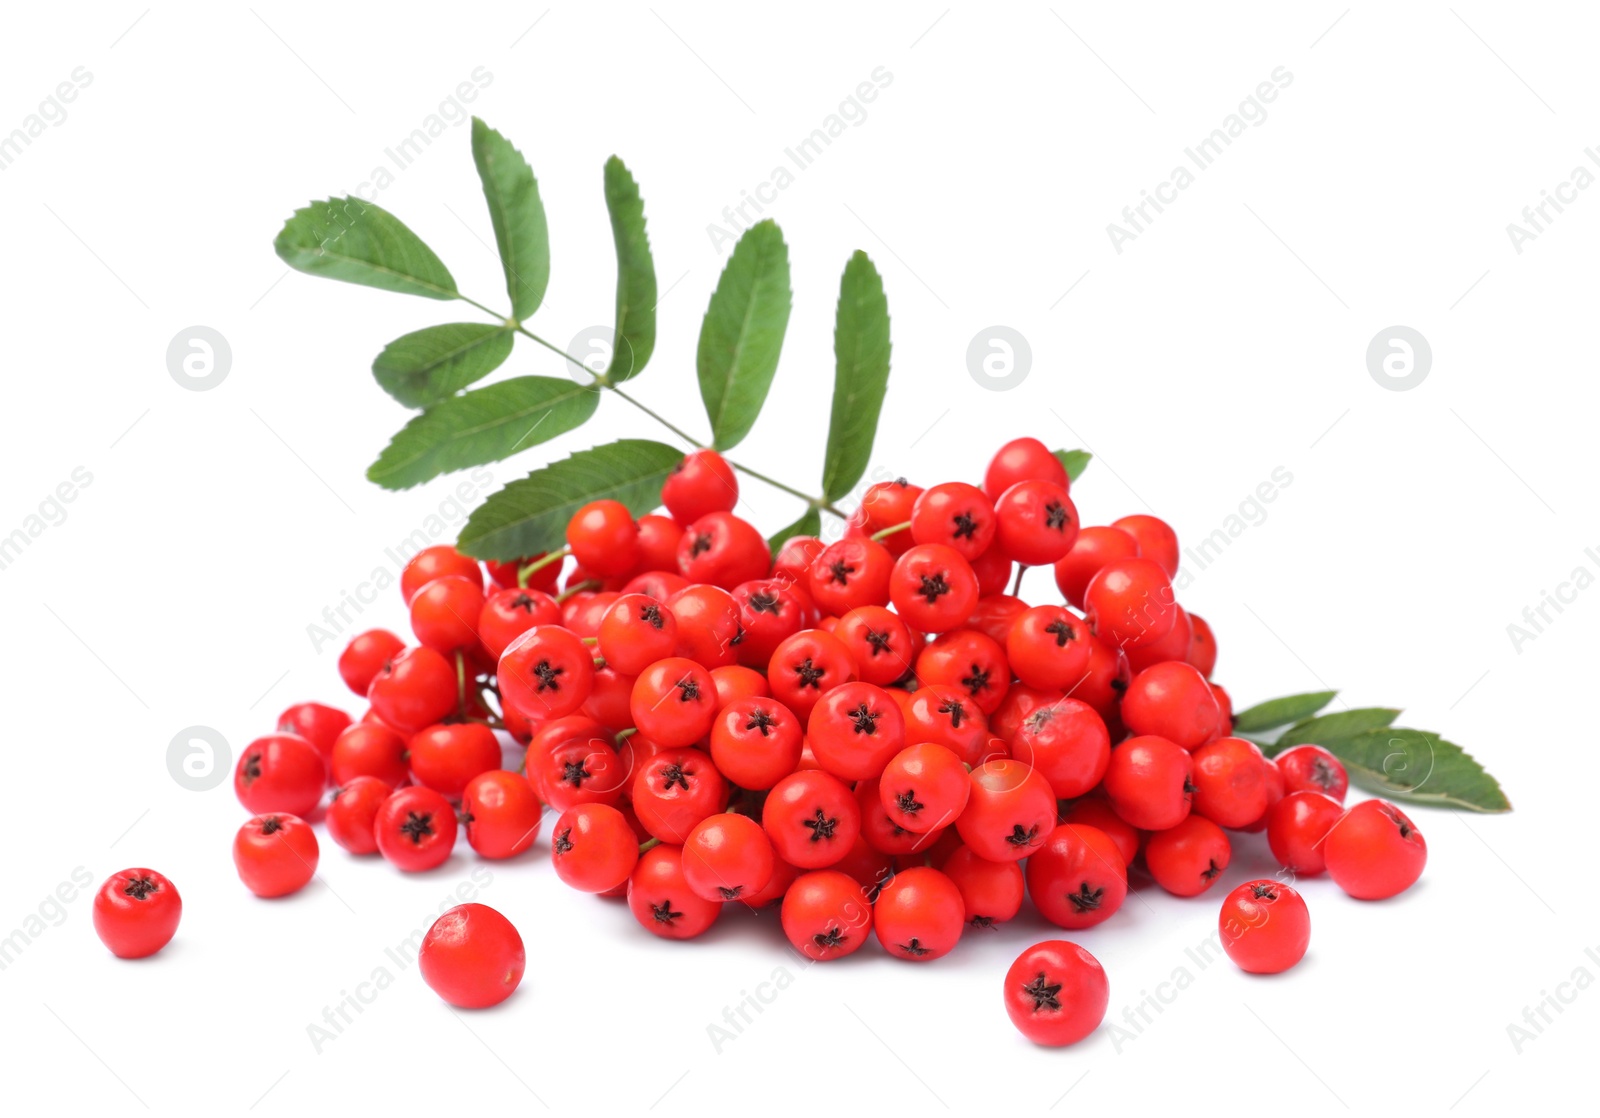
column 530, row 515
column 861, row 375
column 636, row 276
column 424, row 367
column 485, row 425
column 517, row 215
column 1074, row 461
column 1332, row 727
column 809, row 524
column 354, row 241
column 743, row 333
column 1418, row 767
column 1281, row 712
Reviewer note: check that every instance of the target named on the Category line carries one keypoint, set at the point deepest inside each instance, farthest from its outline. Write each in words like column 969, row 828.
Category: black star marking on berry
column 975, row 681
column 1322, row 775
column 907, row 802
column 1119, row 685
column 1086, row 899
column 864, row 718
column 547, row 674
column 765, row 601
column 700, row 545
column 985, row 922
column 1211, row 871
column 688, row 689
column 914, row 948
column 271, row 825
column 833, row 937
column 966, row 527
column 761, row 719
column 674, row 774
column 522, row 602
column 417, row 826
column 141, row 887
column 664, row 913
column 465, row 818
column 252, row 767
column 563, row 841
column 820, row 826
column 956, row 711
column 933, row 587
column 1043, row 994
column 1055, row 516
column 809, row 674
column 1263, row 890
column 650, row 614
column 573, row 773
column 1039, row 719
column 879, row 642
column 1019, row 837
column 840, row 572
column 1062, row 629
column 730, row 893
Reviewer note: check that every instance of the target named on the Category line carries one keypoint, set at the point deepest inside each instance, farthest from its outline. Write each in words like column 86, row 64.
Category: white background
column 1226, row 341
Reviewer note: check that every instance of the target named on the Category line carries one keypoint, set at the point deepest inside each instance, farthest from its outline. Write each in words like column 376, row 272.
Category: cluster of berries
column 872, row 734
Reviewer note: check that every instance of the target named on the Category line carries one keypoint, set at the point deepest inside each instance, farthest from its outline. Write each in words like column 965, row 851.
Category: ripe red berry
column 280, row 773
column 723, row 550
column 1010, row 811
column 1130, row 602
column 1093, row 548
column 1056, row 993
column 604, row 539
column 701, row 482
column 1265, row 927
column 755, row 742
column 500, row 813
column 416, row 829
column 854, row 729
column 886, row 504
column 1374, row 851
column 472, row 957
column 849, row 573
column 826, row 915
column 1297, row 826
column 919, row 915
column 136, row 913
column 1173, row 646
column 365, row 656
column 445, row 757
column 882, row 833
column 445, row 612
column 933, row 588
column 507, row 614
column 727, row 857
column 1186, row 860
column 635, row 632
column 593, row 848
column 994, row 615
column 674, row 702
column 769, row 612
column 370, row 749
column 436, row 562
column 1105, row 681
column 675, row 790
column 968, row 659
column 1311, row 768
column 413, row 690
column 661, row 900
column 318, row 724
column 1097, row 812
column 1035, row 522
column 1230, row 782
column 1024, row 459
column 353, row 813
column 1077, row 877
column 812, row 819
column 709, row 630
column 955, row 514
column 1202, row 646
column 275, row 854
column 546, row 673
column 924, row 788
column 945, row 716
column 1067, row 743
column 807, row 666
column 991, row 892
column 1149, row 782
column 1049, row 647
column 1156, row 539
column 879, row 642
column 735, row 681
column 1174, row 701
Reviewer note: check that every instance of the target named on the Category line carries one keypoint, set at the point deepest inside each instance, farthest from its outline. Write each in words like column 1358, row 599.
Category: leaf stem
column 579, row 588
column 539, row 564
column 814, row 502
column 1016, row 584
column 891, row 530
column 685, row 436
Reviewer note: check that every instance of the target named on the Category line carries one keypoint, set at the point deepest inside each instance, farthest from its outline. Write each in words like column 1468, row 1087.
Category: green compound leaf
column 1074, row 462
column 742, row 334
column 1418, row 767
column 428, row 365
column 636, row 276
column 861, row 375
column 1331, row 727
column 530, row 515
column 357, row 242
column 1281, row 712
column 517, row 215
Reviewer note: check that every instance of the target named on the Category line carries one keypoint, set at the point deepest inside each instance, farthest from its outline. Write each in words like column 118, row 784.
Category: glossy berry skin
column 1230, row 782
column 319, row 724
column 991, row 892
column 365, row 656
column 1093, row 548
column 769, row 612
column 353, row 812
column 882, row 833
column 854, row 729
column 658, row 553
column 674, row 702
column 919, row 915
column 807, row 666
column 1275, row 791
column 723, row 550
column 727, row 857
column 884, row 505
column 1130, row 602
column 812, row 819
column 1035, row 522
column 1297, row 827
column 604, row 539
column 370, row 749
column 1156, row 539
column 924, row 787
column 660, row 898
column 416, row 829
column 945, row 716
column 826, row 915
column 955, row 514
column 880, row 643
column 933, row 588
column 445, row 612
column 472, row 957
column 1202, row 645
column 1077, row 878
column 755, row 742
column 708, row 625
column 1068, row 743
column 783, row 876
column 1097, row 812
column 500, row 814
column 593, row 848
column 1186, row 860
column 1010, row 811
column 1265, row 927
column 994, row 615
column 970, row 660
column 1105, row 681
column 275, row 854
column 1024, row 459
column 414, row 690
column 507, row 614
column 447, row 756
column 1049, row 647
column 1173, row 646
column 1311, row 768
column 735, row 681
column 1056, row 993
column 436, row 562
column 136, row 913
column 1374, row 851
column 1172, row 700
column 635, row 632
column 546, row 673
column 675, row 790
column 849, row 573
column 282, row 773
column 993, row 569
column 571, row 761
column 701, row 483
column 1149, row 782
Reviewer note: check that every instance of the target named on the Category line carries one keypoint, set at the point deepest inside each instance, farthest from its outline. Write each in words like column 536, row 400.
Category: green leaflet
column 427, row 365
column 742, row 334
column 861, row 375
column 357, row 242
column 517, row 215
